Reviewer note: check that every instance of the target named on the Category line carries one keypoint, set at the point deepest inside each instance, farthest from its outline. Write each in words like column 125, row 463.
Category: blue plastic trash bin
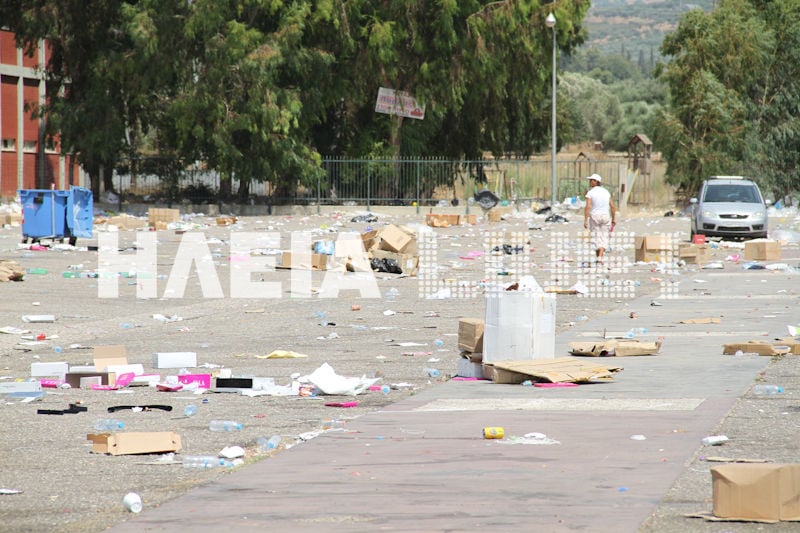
column 57, row 214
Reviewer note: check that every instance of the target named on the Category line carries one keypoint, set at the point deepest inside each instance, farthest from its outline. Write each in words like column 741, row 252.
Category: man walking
column 599, row 216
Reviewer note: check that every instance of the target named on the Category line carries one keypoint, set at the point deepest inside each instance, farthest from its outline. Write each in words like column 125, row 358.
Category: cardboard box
column 470, row 334
column 131, row 443
column 369, row 239
column 174, row 360
column 159, row 217
column 395, row 239
column 614, row 348
column 74, row 378
column 519, row 325
column 104, row 356
column 790, row 342
column 560, row 370
column 496, row 214
column 10, row 387
column 203, row 380
column 226, row 221
column 656, row 248
column 49, row 370
column 441, row 220
column 762, row 250
column 759, row 347
column 409, row 264
column 317, row 262
column 756, row 491
column 236, row 384
column 124, row 222
column 469, row 219
column 697, row 254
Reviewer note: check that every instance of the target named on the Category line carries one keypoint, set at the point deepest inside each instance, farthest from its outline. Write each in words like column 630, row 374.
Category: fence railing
column 403, row 181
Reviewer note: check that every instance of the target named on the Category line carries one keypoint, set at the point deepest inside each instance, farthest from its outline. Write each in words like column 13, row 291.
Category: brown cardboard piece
column 759, row 347
column 132, row 443
column 756, row 492
column 396, row 239
column 11, row 271
column 790, row 342
column 104, row 356
column 158, row 218
column 653, row 248
column 614, row 348
column 706, row 320
column 124, row 222
column 441, row 220
column 470, row 334
column 762, row 250
column 560, row 370
column 697, row 254
column 314, row 261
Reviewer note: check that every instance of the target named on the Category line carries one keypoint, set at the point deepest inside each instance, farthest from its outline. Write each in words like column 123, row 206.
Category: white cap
column 596, row 177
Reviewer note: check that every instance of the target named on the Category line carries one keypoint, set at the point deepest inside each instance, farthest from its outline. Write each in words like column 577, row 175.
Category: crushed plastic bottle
column 431, row 372
column 190, row 410
column 766, row 390
column 386, row 389
column 108, row 424
column 205, row 461
column 439, row 343
column 631, row 333
column 225, row 425
column 269, row 444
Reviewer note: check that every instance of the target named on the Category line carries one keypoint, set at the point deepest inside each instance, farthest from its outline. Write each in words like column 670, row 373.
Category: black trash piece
column 486, row 198
column 669, row 214
column 73, row 409
column 544, row 210
column 389, row 266
column 115, row 408
column 555, row 218
column 512, row 250
column 364, row 218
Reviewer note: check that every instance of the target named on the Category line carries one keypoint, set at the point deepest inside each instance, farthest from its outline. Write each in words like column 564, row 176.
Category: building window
column 29, row 146
column 9, row 145
column 50, row 146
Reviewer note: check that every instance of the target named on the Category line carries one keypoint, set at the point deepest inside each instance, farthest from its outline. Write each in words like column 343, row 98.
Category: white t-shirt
column 601, row 199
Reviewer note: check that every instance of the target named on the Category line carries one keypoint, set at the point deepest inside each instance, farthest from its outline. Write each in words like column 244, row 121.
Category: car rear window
column 731, row 193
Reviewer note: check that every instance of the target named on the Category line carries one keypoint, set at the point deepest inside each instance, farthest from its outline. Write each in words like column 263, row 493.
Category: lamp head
column 550, row 21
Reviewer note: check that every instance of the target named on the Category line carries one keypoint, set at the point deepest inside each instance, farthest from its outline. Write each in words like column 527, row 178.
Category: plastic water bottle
column 266, row 445
column 205, row 461
column 108, row 424
column 431, row 372
column 386, row 389
column 190, row 410
column 767, row 389
column 224, row 425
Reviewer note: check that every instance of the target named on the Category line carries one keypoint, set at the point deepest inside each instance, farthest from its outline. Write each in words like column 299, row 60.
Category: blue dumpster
column 55, row 214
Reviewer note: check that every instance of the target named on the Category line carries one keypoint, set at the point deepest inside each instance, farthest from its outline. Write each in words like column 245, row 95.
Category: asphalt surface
column 413, row 459
column 618, row 456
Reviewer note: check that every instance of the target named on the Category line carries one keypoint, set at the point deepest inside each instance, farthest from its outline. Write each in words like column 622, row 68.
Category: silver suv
column 729, row 206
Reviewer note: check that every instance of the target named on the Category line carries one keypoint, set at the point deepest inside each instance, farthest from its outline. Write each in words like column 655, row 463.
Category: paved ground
column 413, row 460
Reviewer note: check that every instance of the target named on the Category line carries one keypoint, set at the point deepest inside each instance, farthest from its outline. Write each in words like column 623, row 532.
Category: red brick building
column 26, row 161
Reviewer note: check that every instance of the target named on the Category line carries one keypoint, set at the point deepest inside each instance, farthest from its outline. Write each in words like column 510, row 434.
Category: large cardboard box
column 317, row 262
column 396, row 239
column 105, row 356
column 756, row 491
column 131, row 443
column 762, row 250
column 74, row 378
column 697, row 254
column 656, row 248
column 158, row 218
column 370, row 239
column 470, row 334
column 496, row 214
column 759, row 347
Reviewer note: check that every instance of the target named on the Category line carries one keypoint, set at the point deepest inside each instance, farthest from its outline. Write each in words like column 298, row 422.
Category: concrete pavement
column 422, row 465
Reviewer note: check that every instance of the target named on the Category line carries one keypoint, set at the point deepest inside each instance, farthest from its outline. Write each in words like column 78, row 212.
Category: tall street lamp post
column 550, row 21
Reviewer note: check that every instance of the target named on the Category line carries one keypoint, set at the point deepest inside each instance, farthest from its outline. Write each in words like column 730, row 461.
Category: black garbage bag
column 386, row 265
column 544, row 210
column 364, row 218
column 555, row 218
column 486, row 198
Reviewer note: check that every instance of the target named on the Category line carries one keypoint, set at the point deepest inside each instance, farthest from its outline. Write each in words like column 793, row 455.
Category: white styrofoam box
column 136, row 369
column 145, row 380
column 20, row 386
column 468, row 369
column 58, row 370
column 519, row 326
column 174, row 360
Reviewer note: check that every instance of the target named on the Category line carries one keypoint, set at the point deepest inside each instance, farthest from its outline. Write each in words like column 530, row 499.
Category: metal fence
column 402, row 181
